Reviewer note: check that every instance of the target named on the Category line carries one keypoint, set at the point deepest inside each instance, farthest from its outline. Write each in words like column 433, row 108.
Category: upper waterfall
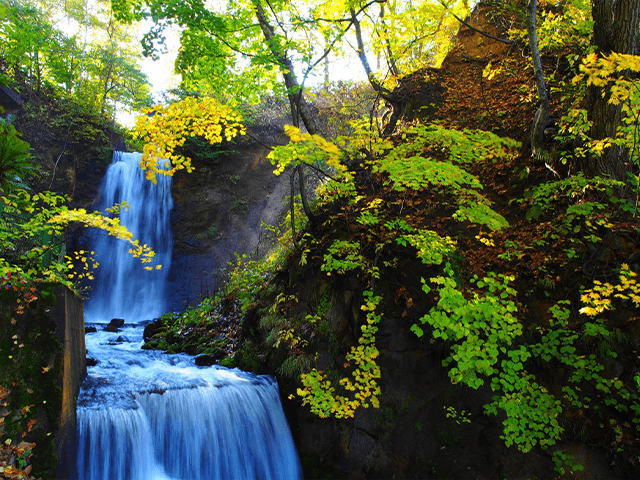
column 122, row 287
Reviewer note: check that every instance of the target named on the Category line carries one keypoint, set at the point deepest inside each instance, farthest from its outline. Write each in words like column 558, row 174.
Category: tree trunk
column 294, row 89
column 106, row 87
column 299, row 106
column 396, row 102
column 542, row 115
column 391, row 59
column 615, row 29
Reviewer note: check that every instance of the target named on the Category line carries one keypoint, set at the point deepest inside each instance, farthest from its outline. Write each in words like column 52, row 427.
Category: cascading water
column 122, row 287
column 146, row 415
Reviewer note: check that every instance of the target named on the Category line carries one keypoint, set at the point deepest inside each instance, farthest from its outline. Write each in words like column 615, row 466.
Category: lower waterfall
column 144, row 414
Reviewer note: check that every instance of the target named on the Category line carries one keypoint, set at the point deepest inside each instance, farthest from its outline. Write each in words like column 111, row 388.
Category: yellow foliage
column 318, row 391
column 165, row 128
column 598, row 298
column 111, row 226
column 307, row 148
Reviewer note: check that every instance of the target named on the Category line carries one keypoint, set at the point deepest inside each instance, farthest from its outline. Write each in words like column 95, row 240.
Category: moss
column 229, row 362
column 30, row 366
column 246, row 358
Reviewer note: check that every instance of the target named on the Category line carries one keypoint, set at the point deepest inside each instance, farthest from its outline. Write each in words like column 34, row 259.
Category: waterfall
column 147, row 415
column 122, row 287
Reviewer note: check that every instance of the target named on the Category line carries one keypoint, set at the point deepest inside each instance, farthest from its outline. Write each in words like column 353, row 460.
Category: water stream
column 148, row 415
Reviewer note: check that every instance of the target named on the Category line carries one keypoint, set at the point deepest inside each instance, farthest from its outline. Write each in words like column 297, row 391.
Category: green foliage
column 532, row 412
column 416, row 172
column 211, row 232
column 458, row 417
column 342, row 256
column 15, row 159
column 561, row 26
column 410, row 166
column 31, row 232
column 565, row 464
column 461, row 147
column 485, row 339
column 548, row 196
column 480, row 328
column 431, row 247
column 241, row 206
column 43, row 48
column 482, row 332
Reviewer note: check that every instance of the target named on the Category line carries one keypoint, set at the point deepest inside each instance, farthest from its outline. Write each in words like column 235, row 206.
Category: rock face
column 219, row 211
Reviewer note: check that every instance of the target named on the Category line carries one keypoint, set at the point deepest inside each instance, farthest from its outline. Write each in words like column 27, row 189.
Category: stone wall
column 69, row 316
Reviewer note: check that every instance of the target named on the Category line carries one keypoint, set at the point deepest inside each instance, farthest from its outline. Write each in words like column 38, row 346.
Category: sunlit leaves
column 409, row 165
column 342, row 256
column 612, row 74
column 309, row 149
column 31, row 229
column 361, row 387
column 164, row 128
column 432, row 248
column 599, row 70
column 479, row 327
column 599, row 298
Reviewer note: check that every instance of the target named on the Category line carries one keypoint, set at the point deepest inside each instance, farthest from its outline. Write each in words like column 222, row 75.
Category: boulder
column 90, row 329
column 114, row 325
column 152, row 328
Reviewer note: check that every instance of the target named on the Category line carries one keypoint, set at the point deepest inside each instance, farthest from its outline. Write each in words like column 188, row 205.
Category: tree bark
column 542, row 115
column 615, row 29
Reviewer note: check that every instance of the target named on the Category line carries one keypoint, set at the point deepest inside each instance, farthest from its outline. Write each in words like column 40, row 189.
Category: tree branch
column 507, row 41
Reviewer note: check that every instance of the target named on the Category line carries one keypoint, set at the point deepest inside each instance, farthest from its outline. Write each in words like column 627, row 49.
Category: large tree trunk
column 615, row 29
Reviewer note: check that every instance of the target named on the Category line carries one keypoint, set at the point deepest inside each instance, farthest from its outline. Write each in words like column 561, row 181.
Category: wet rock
column 206, row 360
column 90, row 329
column 91, row 362
column 114, row 325
column 122, row 339
column 152, row 328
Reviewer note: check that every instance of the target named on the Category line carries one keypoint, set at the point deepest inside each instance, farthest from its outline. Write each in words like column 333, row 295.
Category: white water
column 146, row 415
column 122, row 287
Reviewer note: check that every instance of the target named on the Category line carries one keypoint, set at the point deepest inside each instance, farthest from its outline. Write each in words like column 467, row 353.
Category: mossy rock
column 150, row 345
